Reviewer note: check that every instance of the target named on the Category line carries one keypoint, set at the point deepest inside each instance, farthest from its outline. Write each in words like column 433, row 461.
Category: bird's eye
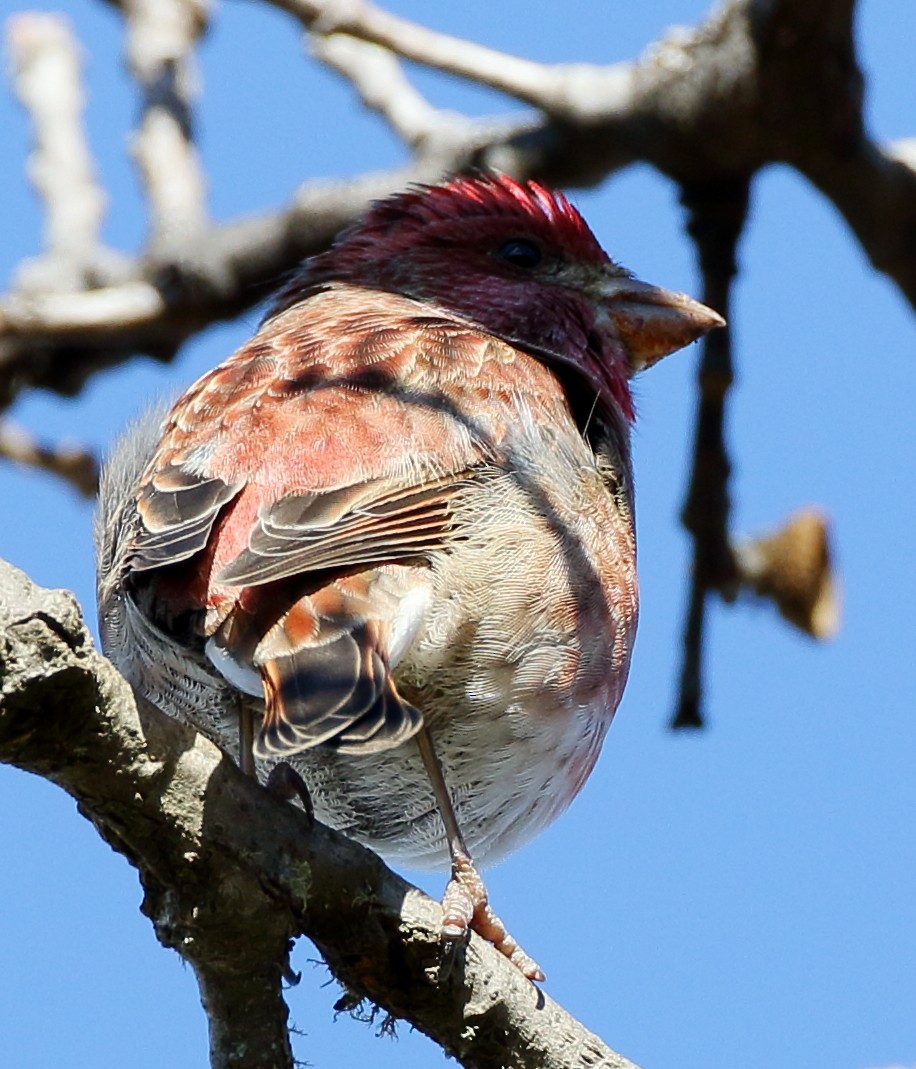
column 520, row 252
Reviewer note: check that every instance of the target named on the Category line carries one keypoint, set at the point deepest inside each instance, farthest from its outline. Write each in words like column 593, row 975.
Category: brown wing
column 332, row 412
column 356, row 526
column 178, row 510
column 332, row 444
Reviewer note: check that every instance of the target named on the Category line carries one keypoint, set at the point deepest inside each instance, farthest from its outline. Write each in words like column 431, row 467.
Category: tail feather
column 338, row 692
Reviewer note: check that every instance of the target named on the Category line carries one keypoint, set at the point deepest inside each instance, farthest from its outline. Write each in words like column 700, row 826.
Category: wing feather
column 177, row 510
column 305, row 533
column 333, row 443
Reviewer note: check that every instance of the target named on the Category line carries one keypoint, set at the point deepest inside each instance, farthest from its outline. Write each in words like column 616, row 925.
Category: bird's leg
column 465, row 905
column 283, row 781
column 246, row 739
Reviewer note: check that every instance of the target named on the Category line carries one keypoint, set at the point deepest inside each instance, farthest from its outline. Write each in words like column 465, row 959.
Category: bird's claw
column 466, row 908
column 285, row 783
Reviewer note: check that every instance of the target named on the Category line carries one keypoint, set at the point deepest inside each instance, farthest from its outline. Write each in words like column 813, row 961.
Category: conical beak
column 653, row 322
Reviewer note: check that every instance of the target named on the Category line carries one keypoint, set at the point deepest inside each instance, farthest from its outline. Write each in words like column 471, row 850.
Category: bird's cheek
column 606, row 348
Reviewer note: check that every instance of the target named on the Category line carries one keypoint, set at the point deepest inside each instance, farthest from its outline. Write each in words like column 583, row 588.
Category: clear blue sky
column 735, row 898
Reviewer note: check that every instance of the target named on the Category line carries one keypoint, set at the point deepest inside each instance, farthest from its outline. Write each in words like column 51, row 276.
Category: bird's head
column 520, row 261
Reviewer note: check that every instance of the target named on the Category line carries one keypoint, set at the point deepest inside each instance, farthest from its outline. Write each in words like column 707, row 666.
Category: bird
column 389, row 542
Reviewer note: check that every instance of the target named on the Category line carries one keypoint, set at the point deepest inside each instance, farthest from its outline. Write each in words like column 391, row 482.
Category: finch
column 390, row 540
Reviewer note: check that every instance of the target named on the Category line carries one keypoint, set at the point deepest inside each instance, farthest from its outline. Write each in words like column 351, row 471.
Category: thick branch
column 56, row 341
column 231, row 874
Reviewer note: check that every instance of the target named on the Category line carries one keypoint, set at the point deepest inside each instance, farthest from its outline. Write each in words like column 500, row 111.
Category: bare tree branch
column 759, row 81
column 745, row 88
column 161, row 35
column 383, row 87
column 231, row 874
column 545, row 87
column 45, row 65
column 57, row 341
column 75, row 465
column 716, row 217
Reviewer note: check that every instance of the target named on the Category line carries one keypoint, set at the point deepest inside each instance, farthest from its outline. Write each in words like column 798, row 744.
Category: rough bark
column 231, row 874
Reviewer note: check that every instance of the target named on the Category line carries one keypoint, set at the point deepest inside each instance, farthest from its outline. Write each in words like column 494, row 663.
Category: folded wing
column 294, row 504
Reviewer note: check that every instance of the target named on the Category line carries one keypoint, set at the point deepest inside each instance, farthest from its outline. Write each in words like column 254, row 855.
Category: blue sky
column 730, row 898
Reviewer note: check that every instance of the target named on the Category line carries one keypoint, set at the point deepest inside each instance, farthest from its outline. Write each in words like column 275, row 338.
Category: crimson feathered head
column 519, row 261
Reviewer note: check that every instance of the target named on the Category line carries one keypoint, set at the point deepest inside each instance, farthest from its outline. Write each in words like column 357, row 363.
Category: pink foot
column 466, row 908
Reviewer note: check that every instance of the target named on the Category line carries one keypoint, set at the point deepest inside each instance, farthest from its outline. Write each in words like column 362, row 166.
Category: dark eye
column 520, row 252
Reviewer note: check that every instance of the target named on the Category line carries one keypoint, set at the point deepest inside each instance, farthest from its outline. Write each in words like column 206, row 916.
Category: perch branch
column 231, row 874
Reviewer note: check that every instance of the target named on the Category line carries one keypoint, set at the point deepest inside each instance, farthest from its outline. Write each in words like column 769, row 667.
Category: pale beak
column 653, row 322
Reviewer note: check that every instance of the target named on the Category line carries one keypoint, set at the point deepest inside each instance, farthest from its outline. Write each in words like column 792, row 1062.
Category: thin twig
column 379, row 78
column 716, row 217
column 161, row 35
column 46, row 69
column 550, row 87
column 75, row 465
